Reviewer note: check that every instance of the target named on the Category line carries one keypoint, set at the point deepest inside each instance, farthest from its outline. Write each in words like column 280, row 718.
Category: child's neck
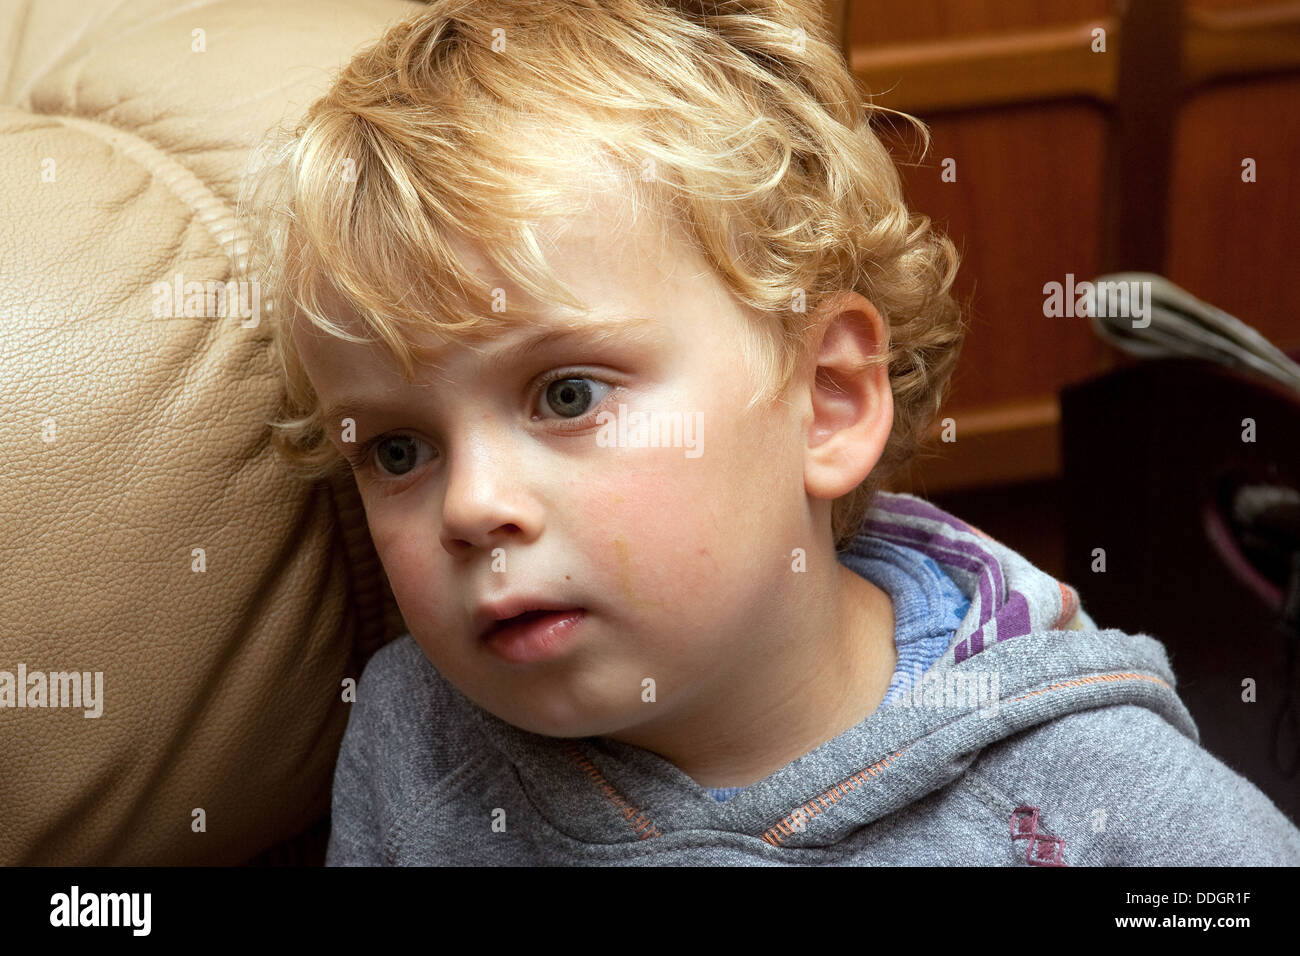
column 835, row 672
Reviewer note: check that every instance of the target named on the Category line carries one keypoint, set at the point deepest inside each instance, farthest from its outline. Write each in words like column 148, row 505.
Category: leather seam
column 214, row 213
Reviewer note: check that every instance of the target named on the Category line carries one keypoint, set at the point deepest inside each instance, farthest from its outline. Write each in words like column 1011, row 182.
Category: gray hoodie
column 1036, row 739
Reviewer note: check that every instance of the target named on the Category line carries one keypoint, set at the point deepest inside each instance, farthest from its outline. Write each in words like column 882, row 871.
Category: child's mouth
column 533, row 635
column 517, row 619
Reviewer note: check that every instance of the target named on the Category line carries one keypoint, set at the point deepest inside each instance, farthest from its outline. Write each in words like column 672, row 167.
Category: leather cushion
column 130, row 439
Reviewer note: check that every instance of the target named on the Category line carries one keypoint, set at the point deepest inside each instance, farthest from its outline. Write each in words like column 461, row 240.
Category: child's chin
column 563, row 730
column 564, row 727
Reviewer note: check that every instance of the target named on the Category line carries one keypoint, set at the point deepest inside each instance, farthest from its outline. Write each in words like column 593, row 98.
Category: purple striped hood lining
column 1009, row 595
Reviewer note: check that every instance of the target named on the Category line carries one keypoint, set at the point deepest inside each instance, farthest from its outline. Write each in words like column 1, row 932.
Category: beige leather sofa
column 147, row 531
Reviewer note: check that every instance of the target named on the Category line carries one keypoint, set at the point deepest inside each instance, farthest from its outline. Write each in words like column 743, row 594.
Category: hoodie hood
column 1025, row 654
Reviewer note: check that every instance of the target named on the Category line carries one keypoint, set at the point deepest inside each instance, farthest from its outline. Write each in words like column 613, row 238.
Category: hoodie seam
column 643, row 824
column 796, row 821
column 990, row 795
column 1089, row 679
column 399, row 834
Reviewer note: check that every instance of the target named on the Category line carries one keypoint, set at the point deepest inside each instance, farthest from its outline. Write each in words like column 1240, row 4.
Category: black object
column 1255, row 526
column 1198, row 529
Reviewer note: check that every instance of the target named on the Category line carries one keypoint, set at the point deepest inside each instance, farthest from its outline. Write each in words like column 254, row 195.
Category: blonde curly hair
column 737, row 121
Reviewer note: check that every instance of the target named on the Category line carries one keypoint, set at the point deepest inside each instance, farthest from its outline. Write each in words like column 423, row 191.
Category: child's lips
column 534, row 635
column 505, row 613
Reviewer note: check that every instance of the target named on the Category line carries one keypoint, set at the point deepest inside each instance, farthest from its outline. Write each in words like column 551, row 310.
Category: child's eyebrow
column 633, row 327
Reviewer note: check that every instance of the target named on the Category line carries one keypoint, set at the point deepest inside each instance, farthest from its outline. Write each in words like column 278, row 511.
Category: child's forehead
column 617, row 271
column 503, row 339
column 619, row 260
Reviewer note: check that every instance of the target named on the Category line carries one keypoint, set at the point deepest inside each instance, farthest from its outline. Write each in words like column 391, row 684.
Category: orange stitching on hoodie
column 624, row 808
column 809, row 809
column 787, row 826
column 1084, row 681
column 1069, row 605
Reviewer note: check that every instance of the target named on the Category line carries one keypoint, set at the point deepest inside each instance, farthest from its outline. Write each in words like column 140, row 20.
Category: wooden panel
column 1234, row 243
column 876, row 23
column 1246, row 39
column 989, row 70
column 1139, row 149
column 1029, row 202
column 993, row 445
column 1024, row 211
column 837, row 16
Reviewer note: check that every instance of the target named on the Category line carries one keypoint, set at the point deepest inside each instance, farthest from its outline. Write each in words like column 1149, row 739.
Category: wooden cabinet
column 1086, row 138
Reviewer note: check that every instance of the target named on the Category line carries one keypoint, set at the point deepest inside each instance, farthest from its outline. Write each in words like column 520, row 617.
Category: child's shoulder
column 393, row 752
column 406, row 711
column 1134, row 790
column 400, row 660
column 399, row 672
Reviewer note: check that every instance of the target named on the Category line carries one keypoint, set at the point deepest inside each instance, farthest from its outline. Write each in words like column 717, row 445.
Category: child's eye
column 394, row 455
column 571, row 397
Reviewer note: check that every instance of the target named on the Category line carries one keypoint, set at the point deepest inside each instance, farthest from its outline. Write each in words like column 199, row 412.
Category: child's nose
column 487, row 502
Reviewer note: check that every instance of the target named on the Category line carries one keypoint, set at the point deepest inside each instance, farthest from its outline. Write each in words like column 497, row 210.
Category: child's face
column 680, row 559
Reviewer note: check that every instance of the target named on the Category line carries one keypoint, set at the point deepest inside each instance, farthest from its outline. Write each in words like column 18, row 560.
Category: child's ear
column 852, row 405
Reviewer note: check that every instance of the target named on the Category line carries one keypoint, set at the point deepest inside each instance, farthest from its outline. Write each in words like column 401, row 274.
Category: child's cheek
column 659, row 521
column 408, row 564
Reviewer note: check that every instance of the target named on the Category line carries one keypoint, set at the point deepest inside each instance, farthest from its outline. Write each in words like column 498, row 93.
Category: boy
column 660, row 611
